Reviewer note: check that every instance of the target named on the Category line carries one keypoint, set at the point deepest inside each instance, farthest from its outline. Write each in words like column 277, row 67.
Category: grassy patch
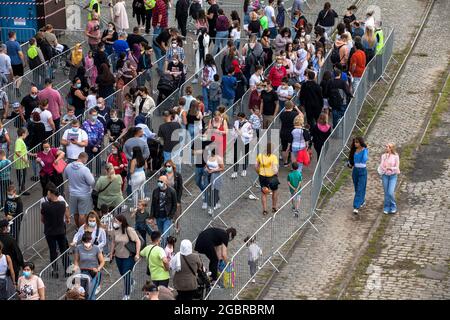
column 407, row 154
column 359, row 275
column 421, row 54
column 436, row 117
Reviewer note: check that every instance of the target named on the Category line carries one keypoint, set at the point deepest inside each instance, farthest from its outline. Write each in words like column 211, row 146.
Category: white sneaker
column 355, row 211
column 252, row 197
column 146, row 199
column 210, row 212
column 99, row 288
column 125, row 297
column 194, row 81
column 217, row 206
column 244, row 173
column 253, row 280
column 124, row 207
column 234, row 175
column 385, row 212
column 204, row 206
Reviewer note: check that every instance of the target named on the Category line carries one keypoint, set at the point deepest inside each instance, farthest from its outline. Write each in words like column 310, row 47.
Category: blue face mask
column 27, row 274
column 94, row 118
column 75, row 129
column 161, row 185
column 169, row 169
column 78, row 85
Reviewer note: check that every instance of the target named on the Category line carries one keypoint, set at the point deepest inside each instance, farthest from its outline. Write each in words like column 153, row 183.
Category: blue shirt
column 228, row 87
column 14, row 48
column 120, row 46
column 362, row 157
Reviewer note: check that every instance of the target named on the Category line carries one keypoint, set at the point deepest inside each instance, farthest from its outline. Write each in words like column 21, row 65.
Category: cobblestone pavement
column 320, row 260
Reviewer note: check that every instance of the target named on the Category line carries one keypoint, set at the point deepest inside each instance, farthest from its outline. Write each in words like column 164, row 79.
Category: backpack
column 335, row 55
column 252, row 61
column 336, row 97
column 150, row 4
column 165, row 84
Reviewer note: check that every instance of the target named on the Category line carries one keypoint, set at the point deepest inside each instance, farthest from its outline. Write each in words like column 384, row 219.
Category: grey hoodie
column 81, row 180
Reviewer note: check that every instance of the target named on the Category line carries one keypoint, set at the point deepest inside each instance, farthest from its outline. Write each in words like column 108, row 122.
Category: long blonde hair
column 369, row 36
column 392, row 147
column 77, row 55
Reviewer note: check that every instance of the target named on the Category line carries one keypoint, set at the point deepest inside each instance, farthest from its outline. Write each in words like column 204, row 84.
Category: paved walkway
column 320, row 261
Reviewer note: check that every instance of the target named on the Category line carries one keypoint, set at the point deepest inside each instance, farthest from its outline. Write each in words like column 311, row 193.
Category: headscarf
column 185, row 250
column 77, row 55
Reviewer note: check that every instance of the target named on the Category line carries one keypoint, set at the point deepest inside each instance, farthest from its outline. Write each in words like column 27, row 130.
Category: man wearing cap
column 6, row 70
column 10, row 247
column 55, row 101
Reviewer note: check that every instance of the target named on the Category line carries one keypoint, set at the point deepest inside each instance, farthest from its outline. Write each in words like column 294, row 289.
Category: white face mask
column 174, row 45
column 92, row 224
column 116, row 225
column 8, row 230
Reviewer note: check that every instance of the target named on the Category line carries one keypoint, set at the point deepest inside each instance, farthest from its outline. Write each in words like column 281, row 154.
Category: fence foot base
column 282, row 257
column 186, row 189
column 312, row 225
column 273, row 266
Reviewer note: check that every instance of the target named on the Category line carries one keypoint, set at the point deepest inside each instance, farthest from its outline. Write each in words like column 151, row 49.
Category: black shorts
column 286, row 139
column 269, row 182
column 17, row 69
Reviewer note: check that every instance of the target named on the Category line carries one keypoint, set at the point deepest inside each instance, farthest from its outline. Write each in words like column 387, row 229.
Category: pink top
column 390, row 164
column 55, row 101
column 48, row 160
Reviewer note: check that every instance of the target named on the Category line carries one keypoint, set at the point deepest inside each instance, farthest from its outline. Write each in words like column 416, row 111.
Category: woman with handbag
column 96, row 229
column 267, row 168
column 188, row 269
column 389, row 169
column 49, row 159
column 109, row 188
column 124, row 239
column 301, row 143
column 119, row 161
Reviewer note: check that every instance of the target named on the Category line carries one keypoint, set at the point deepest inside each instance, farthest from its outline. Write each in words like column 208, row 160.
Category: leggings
column 140, row 16
column 238, row 155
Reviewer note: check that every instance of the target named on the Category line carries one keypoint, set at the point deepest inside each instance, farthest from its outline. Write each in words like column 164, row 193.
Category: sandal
column 274, row 210
column 265, row 213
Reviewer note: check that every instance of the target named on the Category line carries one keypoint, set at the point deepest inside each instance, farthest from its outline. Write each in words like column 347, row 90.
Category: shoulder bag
column 96, row 193
column 131, row 245
column 202, row 280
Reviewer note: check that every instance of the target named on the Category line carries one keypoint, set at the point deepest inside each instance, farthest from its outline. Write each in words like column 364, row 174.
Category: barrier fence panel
column 57, row 275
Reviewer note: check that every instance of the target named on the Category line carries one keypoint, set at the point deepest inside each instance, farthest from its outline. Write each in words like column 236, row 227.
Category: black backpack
column 2, row 136
column 336, row 97
column 335, row 55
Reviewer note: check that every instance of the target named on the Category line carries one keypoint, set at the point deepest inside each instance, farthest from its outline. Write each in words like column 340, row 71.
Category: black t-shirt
column 29, row 105
column 165, row 131
column 163, row 37
column 287, row 122
column 199, row 159
column 115, row 127
column 53, row 213
column 269, row 100
column 254, row 26
column 212, row 23
column 211, row 237
column 13, row 207
column 135, row 38
column 77, row 103
column 175, row 68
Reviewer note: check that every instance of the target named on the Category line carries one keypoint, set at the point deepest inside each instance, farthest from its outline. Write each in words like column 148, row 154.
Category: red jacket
column 357, row 63
column 276, row 75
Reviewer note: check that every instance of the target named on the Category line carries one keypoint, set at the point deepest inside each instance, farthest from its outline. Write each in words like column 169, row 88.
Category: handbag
column 202, row 280
column 148, row 264
column 229, row 274
column 131, row 245
column 95, row 194
column 304, row 157
column 59, row 168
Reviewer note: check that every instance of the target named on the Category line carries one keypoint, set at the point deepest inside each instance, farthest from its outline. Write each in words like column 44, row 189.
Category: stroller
column 166, row 86
column 86, row 285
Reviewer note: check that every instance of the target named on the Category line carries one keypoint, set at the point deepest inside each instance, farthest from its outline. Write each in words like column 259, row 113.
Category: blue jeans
column 213, row 105
column 158, row 54
column 227, row 102
column 273, row 32
column 95, row 282
column 163, row 225
column 389, row 183
column 191, row 129
column 143, row 230
column 337, row 115
column 359, row 177
column 124, row 265
column 167, row 155
column 221, row 41
column 200, row 176
column 205, row 94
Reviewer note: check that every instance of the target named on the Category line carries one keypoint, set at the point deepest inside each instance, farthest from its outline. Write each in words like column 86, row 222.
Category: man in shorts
column 17, row 60
column 81, row 182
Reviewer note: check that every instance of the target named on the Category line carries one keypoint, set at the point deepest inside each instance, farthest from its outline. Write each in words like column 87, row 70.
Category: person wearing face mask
column 75, row 139
column 115, row 127
column 277, row 73
column 94, row 227
column 176, row 48
column 109, row 188
column 13, row 208
column 285, row 92
column 175, row 68
column 77, row 96
column 144, row 103
column 282, row 39
column 29, row 103
column 108, row 37
column 95, row 131
column 10, row 246
column 88, row 259
column 30, row 286
column 175, row 180
column 164, row 206
column 48, row 158
column 103, row 111
column 125, row 260
column 119, row 161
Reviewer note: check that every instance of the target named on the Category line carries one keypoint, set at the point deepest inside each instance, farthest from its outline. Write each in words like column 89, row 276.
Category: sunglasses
column 160, row 181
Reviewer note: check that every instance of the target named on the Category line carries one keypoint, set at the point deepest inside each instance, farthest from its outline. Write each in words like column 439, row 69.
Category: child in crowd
column 114, row 126
column 129, row 110
column 143, row 223
column 69, row 116
column 294, row 181
column 256, row 121
column 170, row 246
column 215, row 93
column 13, row 208
column 91, row 99
column 91, row 69
column 254, row 253
column 236, row 34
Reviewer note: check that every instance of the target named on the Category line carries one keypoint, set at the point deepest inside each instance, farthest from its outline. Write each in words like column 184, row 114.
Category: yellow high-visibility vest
column 380, row 38
column 91, row 8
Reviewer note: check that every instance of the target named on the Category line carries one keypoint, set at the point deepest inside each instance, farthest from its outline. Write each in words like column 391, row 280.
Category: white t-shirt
column 91, row 101
column 29, row 287
column 45, row 116
column 284, row 93
column 254, row 80
column 269, row 11
column 73, row 150
column 235, row 34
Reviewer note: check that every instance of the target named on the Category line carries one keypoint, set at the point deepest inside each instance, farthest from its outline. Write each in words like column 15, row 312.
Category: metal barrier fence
column 279, row 230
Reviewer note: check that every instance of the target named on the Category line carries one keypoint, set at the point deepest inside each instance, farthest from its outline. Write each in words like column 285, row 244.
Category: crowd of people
column 280, row 67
